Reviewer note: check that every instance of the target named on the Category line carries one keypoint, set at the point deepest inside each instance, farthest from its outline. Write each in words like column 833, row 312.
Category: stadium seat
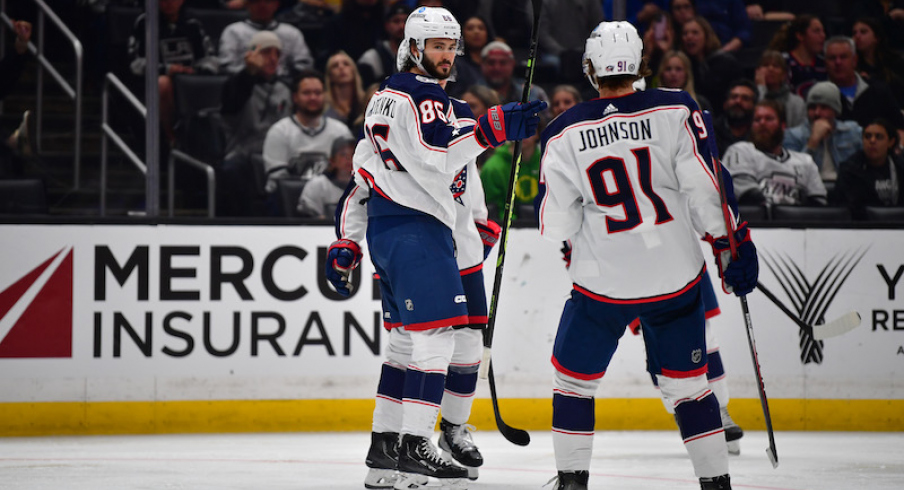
column 289, row 191
column 753, row 214
column 199, row 131
column 22, row 196
column 804, row 214
column 887, row 214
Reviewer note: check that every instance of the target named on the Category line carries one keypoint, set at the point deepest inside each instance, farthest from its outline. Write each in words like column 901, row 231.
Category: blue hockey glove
column 512, row 121
column 489, row 233
column 341, row 259
column 739, row 276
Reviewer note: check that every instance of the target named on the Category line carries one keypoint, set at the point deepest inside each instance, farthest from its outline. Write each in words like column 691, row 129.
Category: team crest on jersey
column 696, row 356
column 459, row 184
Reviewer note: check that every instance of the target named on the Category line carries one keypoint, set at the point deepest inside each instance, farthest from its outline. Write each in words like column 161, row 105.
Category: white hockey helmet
column 427, row 23
column 613, row 48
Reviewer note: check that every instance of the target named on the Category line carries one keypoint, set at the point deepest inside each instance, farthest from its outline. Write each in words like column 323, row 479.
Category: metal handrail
column 108, row 132
column 44, row 64
column 194, row 162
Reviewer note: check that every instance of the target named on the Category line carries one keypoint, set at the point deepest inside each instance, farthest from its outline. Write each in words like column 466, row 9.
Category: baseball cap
column 397, row 8
column 265, row 39
column 825, row 93
column 496, row 47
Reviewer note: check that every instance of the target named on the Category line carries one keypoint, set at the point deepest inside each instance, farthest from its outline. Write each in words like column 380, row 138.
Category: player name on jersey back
column 382, row 105
column 613, row 131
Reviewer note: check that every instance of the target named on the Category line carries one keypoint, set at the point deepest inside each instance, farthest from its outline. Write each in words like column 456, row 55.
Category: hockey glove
column 489, row 233
column 739, row 275
column 341, row 259
column 566, row 253
column 512, row 121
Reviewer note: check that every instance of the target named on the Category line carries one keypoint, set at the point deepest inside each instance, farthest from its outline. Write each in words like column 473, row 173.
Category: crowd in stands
column 807, row 103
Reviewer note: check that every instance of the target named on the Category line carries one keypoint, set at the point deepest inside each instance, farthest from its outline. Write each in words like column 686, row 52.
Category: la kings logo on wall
column 810, row 299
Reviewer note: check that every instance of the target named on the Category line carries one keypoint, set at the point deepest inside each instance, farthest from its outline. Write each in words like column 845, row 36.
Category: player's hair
column 776, row 106
column 409, row 62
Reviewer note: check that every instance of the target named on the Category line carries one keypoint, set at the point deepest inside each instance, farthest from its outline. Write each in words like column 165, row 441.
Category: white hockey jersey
column 622, row 177
column 465, row 188
column 789, row 178
column 412, row 149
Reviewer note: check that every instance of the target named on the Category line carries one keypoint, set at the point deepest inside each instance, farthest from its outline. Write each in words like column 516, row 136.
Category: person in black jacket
column 873, row 176
column 12, row 65
column 184, row 49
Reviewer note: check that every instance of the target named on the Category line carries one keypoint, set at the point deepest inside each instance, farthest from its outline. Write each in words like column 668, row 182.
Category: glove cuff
column 492, row 126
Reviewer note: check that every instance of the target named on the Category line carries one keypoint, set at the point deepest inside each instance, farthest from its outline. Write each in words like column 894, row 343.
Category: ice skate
column 571, row 480
column 715, row 483
column 382, row 458
column 456, row 443
column 420, row 466
column 733, row 433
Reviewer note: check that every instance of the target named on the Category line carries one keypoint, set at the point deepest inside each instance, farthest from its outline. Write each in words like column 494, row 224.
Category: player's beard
column 433, row 71
column 767, row 142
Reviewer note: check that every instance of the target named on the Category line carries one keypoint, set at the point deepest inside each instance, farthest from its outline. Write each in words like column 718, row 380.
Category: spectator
column 682, row 12
column 344, row 90
column 765, row 172
column 475, row 34
column 319, row 197
column 496, row 173
column 733, row 125
column 823, row 136
column 676, row 72
column 253, row 100
column 801, row 43
column 874, row 176
column 480, row 98
column 307, row 131
column 236, row 38
column 21, row 142
column 355, row 29
column 772, row 83
column 379, row 61
column 767, row 10
column 713, row 69
column 875, row 59
column 564, row 97
column 861, row 101
column 498, row 67
column 184, row 48
column 564, row 30
column 889, row 13
column 637, row 12
column 728, row 19
column 658, row 40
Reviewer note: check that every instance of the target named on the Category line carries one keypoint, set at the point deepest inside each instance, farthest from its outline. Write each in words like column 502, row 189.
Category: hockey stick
column 839, row 326
column 513, row 435
column 771, row 451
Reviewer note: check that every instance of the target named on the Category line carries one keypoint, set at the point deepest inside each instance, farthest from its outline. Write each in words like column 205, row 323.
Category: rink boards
column 153, row 329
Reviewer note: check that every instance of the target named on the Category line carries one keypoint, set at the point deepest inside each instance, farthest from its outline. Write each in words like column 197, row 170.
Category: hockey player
column 624, row 175
column 413, row 149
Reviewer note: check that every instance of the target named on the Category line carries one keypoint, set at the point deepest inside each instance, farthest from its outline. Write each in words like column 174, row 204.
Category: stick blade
column 518, row 437
column 773, row 458
column 839, row 326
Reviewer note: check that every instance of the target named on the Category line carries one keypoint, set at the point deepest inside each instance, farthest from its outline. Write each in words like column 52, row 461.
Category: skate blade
column 380, row 478
column 411, row 481
column 472, row 471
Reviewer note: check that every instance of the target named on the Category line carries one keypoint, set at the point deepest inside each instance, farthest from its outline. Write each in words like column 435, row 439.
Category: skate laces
column 429, row 452
column 461, row 436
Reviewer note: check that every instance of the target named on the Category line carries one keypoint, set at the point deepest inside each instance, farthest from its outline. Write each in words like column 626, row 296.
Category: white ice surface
column 622, row 460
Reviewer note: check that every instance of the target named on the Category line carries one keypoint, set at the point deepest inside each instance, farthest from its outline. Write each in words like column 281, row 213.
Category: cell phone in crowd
column 659, row 28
